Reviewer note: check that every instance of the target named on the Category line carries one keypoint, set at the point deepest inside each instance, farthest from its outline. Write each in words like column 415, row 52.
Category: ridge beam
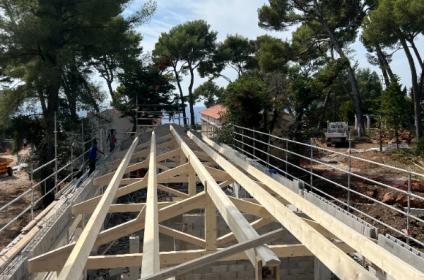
column 232, row 216
column 151, row 262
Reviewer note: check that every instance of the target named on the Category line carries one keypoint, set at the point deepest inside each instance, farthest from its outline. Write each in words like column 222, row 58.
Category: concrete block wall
column 290, row 268
column 296, row 268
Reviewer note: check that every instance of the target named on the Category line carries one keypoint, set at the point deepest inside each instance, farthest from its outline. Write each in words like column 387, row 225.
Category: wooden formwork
column 186, row 159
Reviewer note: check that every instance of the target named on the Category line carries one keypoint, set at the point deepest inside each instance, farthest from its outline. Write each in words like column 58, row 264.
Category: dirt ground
column 394, row 178
column 10, row 188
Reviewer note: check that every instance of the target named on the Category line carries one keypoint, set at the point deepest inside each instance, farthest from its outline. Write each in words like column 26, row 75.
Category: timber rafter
column 185, row 174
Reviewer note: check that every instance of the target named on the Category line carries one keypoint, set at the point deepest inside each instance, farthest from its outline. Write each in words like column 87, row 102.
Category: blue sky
column 235, row 17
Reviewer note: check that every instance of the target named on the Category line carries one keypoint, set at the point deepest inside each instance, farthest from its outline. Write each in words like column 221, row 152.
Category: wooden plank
column 211, row 230
column 122, row 208
column 211, row 258
column 151, row 262
column 76, row 261
column 172, row 191
column 229, row 237
column 329, row 254
column 217, row 174
column 104, row 179
column 140, row 184
column 177, row 257
column 182, row 236
column 57, row 257
column 234, row 219
column 192, row 182
column 392, row 265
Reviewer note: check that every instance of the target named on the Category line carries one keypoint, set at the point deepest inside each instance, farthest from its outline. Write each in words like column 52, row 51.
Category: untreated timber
column 335, row 259
column 57, row 257
column 232, row 216
column 209, row 259
column 151, row 262
column 77, row 259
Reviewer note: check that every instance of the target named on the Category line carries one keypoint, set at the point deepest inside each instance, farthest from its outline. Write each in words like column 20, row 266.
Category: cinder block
column 219, row 268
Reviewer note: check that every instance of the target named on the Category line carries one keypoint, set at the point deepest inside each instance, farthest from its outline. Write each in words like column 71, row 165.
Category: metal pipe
column 55, row 149
column 345, row 188
column 342, row 154
column 342, row 202
column 348, row 174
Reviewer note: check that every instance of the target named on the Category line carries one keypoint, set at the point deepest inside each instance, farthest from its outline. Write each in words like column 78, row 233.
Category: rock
column 371, row 193
column 389, row 197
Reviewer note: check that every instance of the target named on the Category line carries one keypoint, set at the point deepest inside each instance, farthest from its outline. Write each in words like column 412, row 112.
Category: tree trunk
column 397, row 138
column 417, row 53
column 190, row 97
column 383, row 67
column 47, row 149
column 324, row 107
column 415, row 89
column 177, row 77
column 356, row 97
column 109, row 86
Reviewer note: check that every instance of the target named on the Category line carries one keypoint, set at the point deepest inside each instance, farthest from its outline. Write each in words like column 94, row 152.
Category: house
column 212, row 119
column 109, row 121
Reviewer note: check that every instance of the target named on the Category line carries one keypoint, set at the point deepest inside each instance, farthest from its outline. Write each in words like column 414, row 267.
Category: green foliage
column 209, row 93
column 322, row 27
column 394, row 106
column 236, row 52
column 246, row 100
column 272, row 54
column 148, row 87
column 187, row 44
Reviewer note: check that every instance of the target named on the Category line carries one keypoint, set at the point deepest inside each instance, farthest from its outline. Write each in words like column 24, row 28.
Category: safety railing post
column 286, row 155
column 242, row 140
column 310, row 165
column 254, row 143
column 55, row 151
column 348, row 174
column 82, row 141
column 268, row 148
column 72, row 160
column 408, row 210
column 32, row 191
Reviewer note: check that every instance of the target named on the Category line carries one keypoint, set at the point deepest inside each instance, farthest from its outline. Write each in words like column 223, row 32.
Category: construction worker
column 92, row 156
column 112, row 140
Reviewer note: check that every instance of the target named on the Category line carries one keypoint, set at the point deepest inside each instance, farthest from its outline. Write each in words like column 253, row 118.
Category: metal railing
column 335, row 175
column 67, row 175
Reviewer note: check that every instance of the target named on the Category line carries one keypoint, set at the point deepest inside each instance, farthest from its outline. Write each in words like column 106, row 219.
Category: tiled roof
column 215, row 111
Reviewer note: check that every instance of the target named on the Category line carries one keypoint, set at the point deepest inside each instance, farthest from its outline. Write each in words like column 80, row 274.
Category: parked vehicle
column 337, row 133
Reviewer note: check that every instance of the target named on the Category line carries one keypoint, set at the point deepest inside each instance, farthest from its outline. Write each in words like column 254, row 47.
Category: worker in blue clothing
column 92, row 156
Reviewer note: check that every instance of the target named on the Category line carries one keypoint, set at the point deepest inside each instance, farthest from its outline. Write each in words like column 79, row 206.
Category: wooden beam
column 164, row 176
column 172, row 191
column 217, row 174
column 58, row 256
column 229, row 237
column 335, row 259
column 211, row 230
column 171, row 258
column 76, row 261
column 391, row 264
column 234, row 219
column 151, row 262
column 104, row 179
column 249, row 207
column 211, row 258
column 192, row 182
column 182, row 236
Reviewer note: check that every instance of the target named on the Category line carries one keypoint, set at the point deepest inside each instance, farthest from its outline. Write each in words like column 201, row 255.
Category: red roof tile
column 215, row 112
